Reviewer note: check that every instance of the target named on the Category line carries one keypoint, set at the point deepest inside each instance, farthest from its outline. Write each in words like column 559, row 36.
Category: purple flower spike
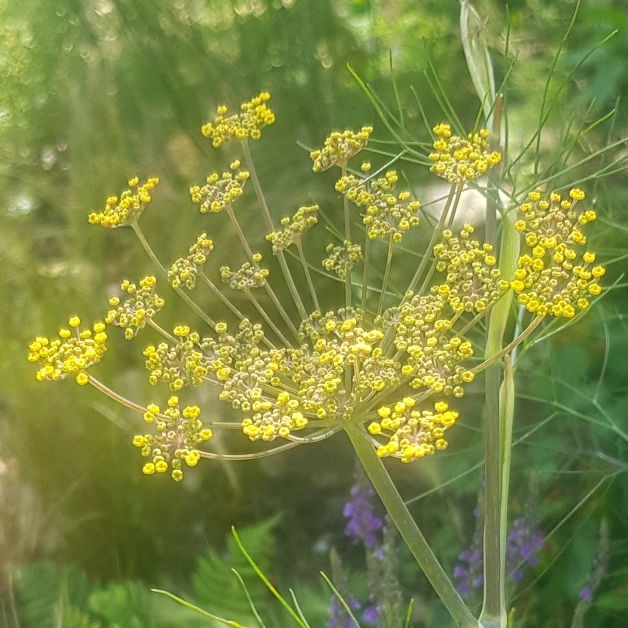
column 362, row 524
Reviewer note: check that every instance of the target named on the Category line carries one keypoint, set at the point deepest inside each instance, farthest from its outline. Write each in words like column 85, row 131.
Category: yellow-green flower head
column 473, row 282
column 386, row 214
column 220, row 191
column 179, row 365
column 119, row 212
column 179, row 433
column 412, row 433
column 250, row 275
column 339, row 148
column 254, row 116
column 293, row 228
column 342, row 259
column 143, row 303
column 457, row 159
column 73, row 352
column 553, row 277
column 432, row 355
column 185, row 270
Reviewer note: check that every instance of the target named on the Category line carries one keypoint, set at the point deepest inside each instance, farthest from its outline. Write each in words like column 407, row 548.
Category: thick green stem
column 493, row 609
column 401, row 517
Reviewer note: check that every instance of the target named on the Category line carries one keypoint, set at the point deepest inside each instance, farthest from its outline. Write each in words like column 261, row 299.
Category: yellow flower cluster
column 473, row 282
column 250, row 275
column 178, row 435
column 457, row 159
column 412, row 433
column 552, row 278
column 386, row 214
column 220, row 191
column 254, row 115
column 342, row 259
column 185, row 270
column 141, row 306
column 126, row 209
column 74, row 350
column 293, row 228
column 182, row 364
column 339, row 148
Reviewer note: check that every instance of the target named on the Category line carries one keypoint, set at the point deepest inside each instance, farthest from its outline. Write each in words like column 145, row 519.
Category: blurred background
column 93, row 92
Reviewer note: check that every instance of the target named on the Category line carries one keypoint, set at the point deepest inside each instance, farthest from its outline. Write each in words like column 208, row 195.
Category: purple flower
column 586, row 594
column 362, row 524
column 370, row 615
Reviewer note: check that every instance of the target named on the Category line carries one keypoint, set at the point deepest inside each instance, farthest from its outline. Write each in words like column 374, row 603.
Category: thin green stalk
column 200, row 611
column 347, row 215
column 308, row 276
column 452, row 199
column 249, row 252
column 267, row 318
column 386, row 275
column 367, row 251
column 149, row 251
column 269, row 226
column 161, row 330
column 408, row 528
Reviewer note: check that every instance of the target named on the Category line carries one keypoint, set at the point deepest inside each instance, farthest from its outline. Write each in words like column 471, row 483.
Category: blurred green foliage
column 93, row 92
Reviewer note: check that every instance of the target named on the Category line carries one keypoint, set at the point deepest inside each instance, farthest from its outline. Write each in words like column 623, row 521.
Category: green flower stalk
column 389, row 374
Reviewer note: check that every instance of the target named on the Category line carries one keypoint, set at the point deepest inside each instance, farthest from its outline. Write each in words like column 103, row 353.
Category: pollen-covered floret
column 473, row 282
column 74, row 351
column 178, row 365
column 220, row 191
column 386, row 214
column 339, row 148
column 179, row 433
column 119, row 212
column 185, row 270
column 293, row 228
column 432, row 353
column 254, row 116
column 457, row 159
column 249, row 275
column 412, row 433
column 143, row 303
column 341, row 259
column 553, row 277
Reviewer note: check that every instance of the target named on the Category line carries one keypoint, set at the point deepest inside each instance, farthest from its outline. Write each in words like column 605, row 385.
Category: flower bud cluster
column 73, row 351
column 126, row 209
column 178, row 435
column 412, row 433
column 342, row 259
column 179, row 365
column 549, row 280
column 250, row 275
column 386, row 214
column 142, row 305
column 220, row 191
column 185, row 270
column 473, row 282
column 459, row 160
column 254, row 116
column 293, row 228
column 339, row 148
